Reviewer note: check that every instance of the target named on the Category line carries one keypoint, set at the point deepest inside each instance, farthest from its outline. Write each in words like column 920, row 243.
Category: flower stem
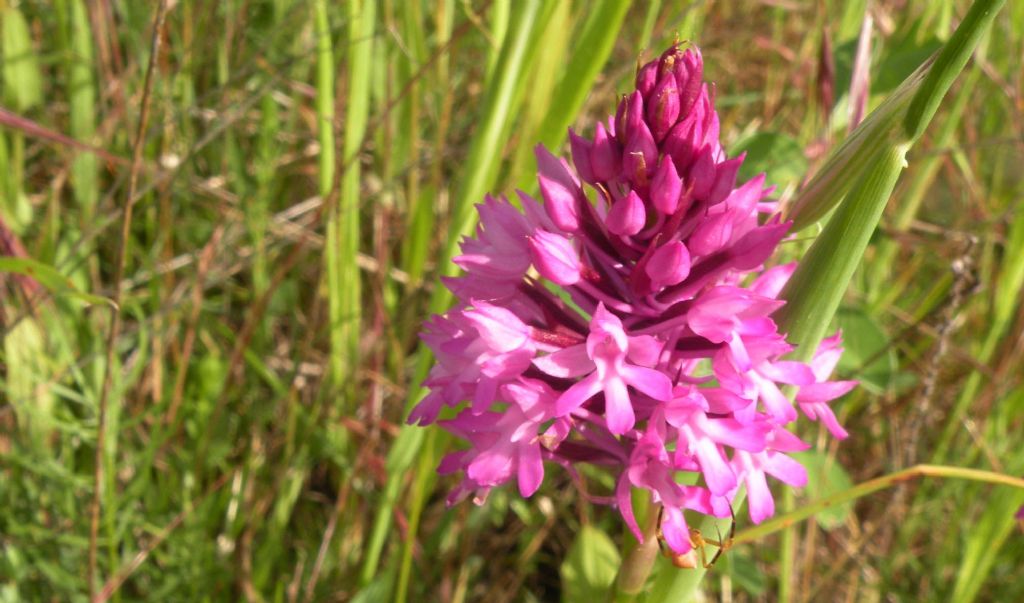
column 869, row 487
column 638, row 562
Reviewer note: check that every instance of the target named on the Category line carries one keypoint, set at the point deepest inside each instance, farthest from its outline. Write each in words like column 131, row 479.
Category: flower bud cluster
column 625, row 321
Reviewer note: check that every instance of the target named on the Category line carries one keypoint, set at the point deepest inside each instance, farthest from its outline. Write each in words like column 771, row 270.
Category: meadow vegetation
column 268, row 191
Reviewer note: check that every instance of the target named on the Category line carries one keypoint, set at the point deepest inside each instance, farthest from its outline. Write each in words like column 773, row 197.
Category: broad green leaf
column 590, row 567
column 23, row 86
column 778, row 155
column 948, row 65
column 869, row 356
column 825, row 477
column 28, row 376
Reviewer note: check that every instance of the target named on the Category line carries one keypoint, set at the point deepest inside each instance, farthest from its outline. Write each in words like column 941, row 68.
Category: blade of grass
column 869, row 487
column 480, row 171
column 101, row 456
column 813, row 293
column 905, row 114
column 590, row 51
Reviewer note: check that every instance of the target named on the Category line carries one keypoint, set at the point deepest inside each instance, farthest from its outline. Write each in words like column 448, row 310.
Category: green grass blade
column 905, row 114
column 590, row 51
column 480, row 172
column 948, row 65
column 813, row 293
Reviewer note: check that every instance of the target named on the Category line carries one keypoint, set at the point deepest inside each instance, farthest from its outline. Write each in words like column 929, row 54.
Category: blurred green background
column 303, row 172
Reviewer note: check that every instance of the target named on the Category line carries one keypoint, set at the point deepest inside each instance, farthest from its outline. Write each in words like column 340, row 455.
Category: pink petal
column 717, row 473
column 555, row 258
column 575, row 396
column 644, row 349
column 649, row 381
column 562, row 194
column 566, row 363
column 761, row 504
column 618, row 408
column 530, row 470
column 786, row 470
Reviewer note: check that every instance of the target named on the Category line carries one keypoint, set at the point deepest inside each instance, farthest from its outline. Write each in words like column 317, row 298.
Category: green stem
column 869, row 487
column 638, row 562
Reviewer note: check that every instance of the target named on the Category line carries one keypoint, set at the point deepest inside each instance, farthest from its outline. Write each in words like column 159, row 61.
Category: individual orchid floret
column 602, row 362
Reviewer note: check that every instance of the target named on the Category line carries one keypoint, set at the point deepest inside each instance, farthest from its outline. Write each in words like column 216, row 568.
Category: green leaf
column 589, row 569
column 23, row 86
column 745, row 573
column 912, row 106
column 869, row 356
column 826, row 477
column 778, row 155
column 590, row 51
column 948, row 65
column 813, row 293
column 49, row 277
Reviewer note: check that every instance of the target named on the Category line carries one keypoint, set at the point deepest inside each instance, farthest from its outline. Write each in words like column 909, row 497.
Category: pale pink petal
column 618, row 409
column 566, row 363
column 575, row 396
column 530, row 470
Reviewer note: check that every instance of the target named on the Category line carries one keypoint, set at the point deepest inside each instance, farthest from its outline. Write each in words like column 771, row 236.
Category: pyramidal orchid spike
column 616, row 332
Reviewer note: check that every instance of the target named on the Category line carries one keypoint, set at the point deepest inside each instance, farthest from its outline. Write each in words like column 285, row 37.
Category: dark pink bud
column 604, row 159
column 620, row 118
column 689, row 72
column 627, row 216
column 632, row 115
column 641, row 155
column 581, row 150
column 663, row 110
column 555, row 258
column 562, row 194
column 702, row 174
column 647, row 78
column 725, row 179
column 680, row 144
column 665, row 187
column 754, row 248
column 711, row 235
column 669, row 265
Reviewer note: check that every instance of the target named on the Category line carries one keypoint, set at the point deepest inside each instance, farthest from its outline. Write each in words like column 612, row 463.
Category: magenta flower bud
column 604, row 158
column 627, row 215
column 646, row 79
column 679, row 144
column 754, row 248
column 689, row 74
column 669, row 265
column 555, row 258
column 725, row 179
column 702, row 174
column 629, row 116
column 711, row 235
column 663, row 109
column 581, row 150
column 562, row 194
column 640, row 157
column 666, row 187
